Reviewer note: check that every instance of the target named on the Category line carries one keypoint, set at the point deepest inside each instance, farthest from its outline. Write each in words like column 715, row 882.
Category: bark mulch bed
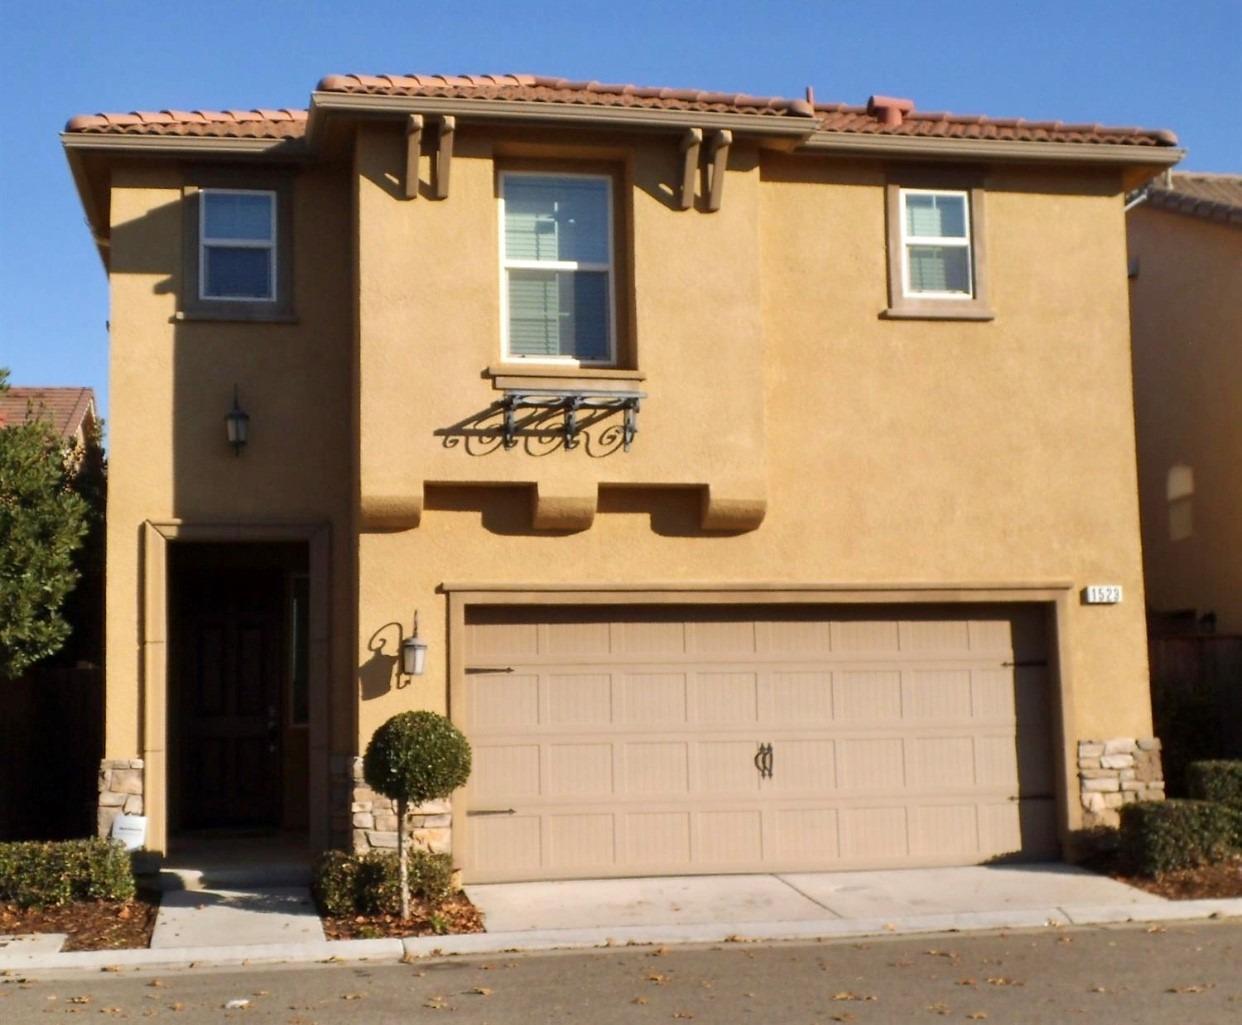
column 451, row 916
column 90, row 925
column 1204, row 883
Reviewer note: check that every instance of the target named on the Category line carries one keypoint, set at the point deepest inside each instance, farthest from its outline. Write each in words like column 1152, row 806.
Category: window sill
column 238, row 316
column 554, row 375
column 938, row 311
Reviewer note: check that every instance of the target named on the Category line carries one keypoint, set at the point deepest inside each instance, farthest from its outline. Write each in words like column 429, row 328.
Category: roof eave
column 932, row 147
column 326, row 104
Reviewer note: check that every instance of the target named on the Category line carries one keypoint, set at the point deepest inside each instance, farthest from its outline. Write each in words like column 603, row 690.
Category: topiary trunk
column 402, row 859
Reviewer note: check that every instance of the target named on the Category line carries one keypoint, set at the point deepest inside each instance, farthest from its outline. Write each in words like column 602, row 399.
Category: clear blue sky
column 1157, row 64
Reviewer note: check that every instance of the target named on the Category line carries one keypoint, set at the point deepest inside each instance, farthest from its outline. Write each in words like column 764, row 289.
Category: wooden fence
column 51, row 740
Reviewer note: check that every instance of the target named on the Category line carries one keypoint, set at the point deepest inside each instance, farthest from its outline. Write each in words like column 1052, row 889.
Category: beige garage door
column 617, row 741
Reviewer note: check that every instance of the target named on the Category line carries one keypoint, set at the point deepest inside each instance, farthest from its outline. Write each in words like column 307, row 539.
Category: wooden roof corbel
column 413, row 148
column 691, row 142
column 718, row 158
column 444, row 155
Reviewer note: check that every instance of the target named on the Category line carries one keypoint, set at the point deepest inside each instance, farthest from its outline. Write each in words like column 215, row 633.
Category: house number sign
column 1101, row 594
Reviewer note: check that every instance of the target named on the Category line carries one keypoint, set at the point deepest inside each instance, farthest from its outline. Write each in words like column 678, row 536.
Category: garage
column 621, row 740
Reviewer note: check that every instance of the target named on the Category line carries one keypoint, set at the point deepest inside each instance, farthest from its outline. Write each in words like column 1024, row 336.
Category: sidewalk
column 684, row 909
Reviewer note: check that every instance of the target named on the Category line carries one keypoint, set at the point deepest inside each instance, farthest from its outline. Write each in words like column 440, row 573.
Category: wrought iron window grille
column 581, row 407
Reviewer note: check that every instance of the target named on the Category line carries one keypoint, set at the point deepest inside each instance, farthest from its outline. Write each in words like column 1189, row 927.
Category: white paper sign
column 131, row 830
column 1102, row 594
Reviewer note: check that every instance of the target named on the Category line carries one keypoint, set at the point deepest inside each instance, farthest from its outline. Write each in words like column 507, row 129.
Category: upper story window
column 558, row 293
column 936, row 257
column 935, row 240
column 237, row 245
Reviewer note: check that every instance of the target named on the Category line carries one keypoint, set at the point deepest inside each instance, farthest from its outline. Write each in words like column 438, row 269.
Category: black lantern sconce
column 413, row 651
column 237, row 425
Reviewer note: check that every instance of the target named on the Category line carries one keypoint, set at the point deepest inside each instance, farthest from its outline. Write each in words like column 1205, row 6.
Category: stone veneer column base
column 1116, row 772
column 372, row 819
column 120, row 791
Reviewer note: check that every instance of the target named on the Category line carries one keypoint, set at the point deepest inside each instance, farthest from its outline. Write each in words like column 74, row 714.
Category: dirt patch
column 90, row 925
column 449, row 917
column 1205, row 883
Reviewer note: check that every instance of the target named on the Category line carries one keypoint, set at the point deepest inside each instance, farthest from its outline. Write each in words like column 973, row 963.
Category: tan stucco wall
column 171, row 386
column 896, row 452
column 1187, row 324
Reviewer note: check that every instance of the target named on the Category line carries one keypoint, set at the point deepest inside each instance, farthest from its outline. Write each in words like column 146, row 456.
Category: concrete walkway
column 221, row 918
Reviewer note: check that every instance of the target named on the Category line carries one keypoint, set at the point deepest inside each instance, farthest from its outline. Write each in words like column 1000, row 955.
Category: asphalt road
column 1179, row 975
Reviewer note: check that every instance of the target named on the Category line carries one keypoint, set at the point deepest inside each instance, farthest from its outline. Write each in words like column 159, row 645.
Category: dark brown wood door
column 227, row 661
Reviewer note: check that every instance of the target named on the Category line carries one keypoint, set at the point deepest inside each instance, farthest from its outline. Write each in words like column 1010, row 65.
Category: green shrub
column 51, row 873
column 1159, row 836
column 1219, row 781
column 417, row 757
column 368, row 884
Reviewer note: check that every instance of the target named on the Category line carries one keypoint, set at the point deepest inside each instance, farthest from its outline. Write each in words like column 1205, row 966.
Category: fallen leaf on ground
column 847, row 995
column 938, row 1008
column 481, row 991
column 237, row 1004
column 639, row 1000
column 977, row 1015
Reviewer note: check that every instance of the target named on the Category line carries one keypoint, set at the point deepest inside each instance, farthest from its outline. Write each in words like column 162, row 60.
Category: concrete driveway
column 797, row 897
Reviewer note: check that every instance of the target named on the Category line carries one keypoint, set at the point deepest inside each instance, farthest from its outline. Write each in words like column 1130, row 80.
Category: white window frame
column 205, row 242
column 507, row 265
column 946, row 241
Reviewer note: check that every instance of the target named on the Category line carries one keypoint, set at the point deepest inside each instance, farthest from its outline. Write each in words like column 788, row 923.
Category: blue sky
column 1167, row 65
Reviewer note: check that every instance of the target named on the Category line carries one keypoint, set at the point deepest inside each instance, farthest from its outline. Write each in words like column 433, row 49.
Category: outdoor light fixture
column 413, row 652
column 237, row 425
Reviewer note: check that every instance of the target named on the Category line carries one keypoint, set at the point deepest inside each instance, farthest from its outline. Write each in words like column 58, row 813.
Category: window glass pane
column 935, row 215
column 231, row 273
column 237, row 215
column 556, row 219
column 558, row 313
column 939, row 269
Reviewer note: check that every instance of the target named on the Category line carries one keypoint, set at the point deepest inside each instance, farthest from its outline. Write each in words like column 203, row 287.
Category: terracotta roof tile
column 242, row 124
column 66, row 408
column 825, row 117
column 1216, row 197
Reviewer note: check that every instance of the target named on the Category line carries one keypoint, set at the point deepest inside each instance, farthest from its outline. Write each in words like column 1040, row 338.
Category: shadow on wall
column 377, row 673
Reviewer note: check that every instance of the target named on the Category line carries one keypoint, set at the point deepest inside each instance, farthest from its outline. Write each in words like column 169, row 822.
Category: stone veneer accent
column 1116, row 772
column 120, row 790
column 372, row 820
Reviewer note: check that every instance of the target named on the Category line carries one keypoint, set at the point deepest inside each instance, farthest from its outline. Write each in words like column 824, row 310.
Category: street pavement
column 1116, row 975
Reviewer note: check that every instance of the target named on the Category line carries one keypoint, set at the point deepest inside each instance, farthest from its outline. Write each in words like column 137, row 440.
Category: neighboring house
column 70, row 411
column 1185, row 238
column 740, row 460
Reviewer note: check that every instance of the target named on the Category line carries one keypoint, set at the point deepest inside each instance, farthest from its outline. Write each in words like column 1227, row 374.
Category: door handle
column 763, row 761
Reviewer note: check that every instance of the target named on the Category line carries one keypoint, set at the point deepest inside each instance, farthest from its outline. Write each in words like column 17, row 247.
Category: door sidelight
column 763, row 761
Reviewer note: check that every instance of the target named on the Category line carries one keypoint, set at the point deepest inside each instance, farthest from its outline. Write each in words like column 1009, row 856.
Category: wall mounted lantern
column 237, row 425
column 413, row 652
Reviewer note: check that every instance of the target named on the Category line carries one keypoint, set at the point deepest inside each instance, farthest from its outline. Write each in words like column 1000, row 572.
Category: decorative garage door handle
column 763, row 761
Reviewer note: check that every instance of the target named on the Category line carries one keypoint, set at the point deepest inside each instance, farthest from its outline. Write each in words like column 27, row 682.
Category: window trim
column 191, row 305
column 272, row 245
column 506, row 265
column 909, row 241
column 907, row 305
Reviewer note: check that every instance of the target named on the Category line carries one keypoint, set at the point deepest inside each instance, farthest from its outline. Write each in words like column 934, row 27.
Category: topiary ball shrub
column 1218, row 780
column 1161, row 836
column 417, row 757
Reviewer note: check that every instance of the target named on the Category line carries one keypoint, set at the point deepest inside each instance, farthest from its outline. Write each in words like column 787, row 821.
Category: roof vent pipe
column 891, row 110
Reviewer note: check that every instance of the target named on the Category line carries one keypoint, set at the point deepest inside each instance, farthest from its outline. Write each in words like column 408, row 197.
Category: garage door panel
column 717, row 698
column 628, row 737
column 578, row 699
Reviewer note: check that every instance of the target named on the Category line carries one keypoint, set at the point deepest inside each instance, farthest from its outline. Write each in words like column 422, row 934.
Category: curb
column 394, row 950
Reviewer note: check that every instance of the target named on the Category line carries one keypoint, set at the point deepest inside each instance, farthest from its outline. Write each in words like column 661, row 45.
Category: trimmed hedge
column 1159, row 836
column 51, row 873
column 370, row 884
column 1219, row 781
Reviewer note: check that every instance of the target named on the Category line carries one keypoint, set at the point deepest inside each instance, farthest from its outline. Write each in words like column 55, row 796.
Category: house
column 739, row 464
column 1185, row 239
column 70, row 411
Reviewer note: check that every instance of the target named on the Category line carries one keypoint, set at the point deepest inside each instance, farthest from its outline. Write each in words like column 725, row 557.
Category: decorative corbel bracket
column 691, row 143
column 566, row 506
column 392, row 512
column 441, row 156
column 717, row 160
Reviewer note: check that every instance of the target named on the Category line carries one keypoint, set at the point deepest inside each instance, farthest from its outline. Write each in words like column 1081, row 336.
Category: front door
column 226, row 666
